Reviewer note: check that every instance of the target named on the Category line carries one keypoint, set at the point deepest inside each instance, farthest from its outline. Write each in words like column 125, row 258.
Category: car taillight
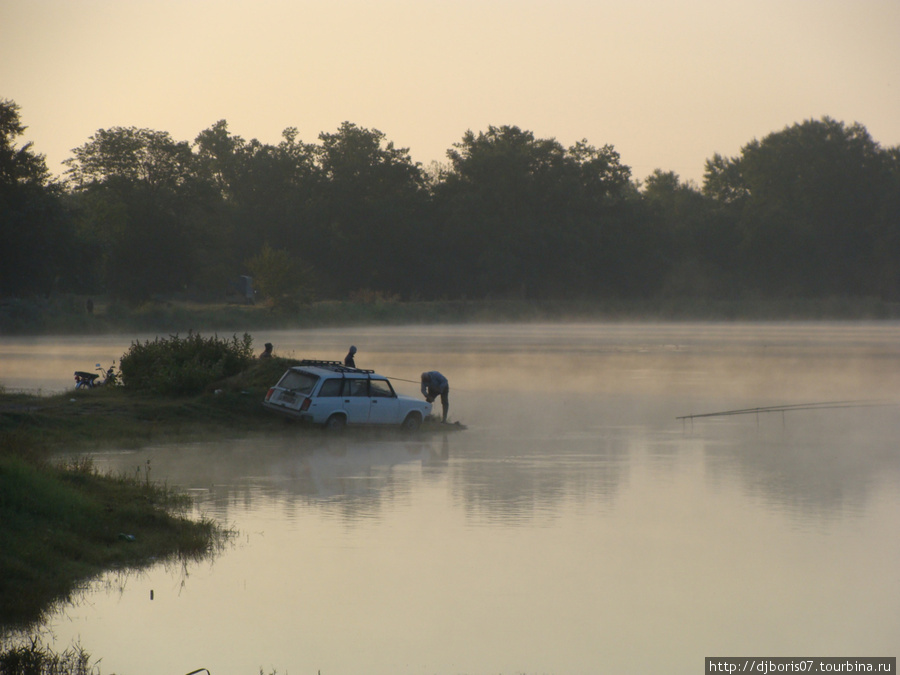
column 305, row 404
column 269, row 393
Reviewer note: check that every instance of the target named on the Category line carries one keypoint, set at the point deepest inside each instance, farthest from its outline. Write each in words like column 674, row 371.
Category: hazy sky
column 667, row 83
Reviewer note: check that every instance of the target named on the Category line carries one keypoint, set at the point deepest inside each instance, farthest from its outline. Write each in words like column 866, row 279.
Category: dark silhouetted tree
column 138, row 198
column 806, row 201
column 367, row 211
column 264, row 193
column 38, row 250
column 525, row 217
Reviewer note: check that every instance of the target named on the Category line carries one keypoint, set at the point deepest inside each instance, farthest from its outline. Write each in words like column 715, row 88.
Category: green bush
column 184, row 365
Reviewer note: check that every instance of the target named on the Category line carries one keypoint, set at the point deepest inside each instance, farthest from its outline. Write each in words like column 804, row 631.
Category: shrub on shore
column 184, row 365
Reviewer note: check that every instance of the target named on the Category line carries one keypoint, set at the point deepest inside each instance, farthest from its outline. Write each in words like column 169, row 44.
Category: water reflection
column 358, row 468
column 575, row 527
column 512, row 481
column 815, row 464
column 497, row 479
column 812, row 464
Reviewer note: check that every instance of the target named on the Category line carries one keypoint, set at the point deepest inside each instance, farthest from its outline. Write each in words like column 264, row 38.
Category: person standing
column 433, row 385
column 349, row 361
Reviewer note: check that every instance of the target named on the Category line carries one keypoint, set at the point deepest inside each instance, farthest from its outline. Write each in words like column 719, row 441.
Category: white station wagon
column 334, row 395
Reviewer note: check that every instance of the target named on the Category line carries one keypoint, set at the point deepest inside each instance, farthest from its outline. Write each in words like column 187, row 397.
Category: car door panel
column 356, row 400
column 384, row 405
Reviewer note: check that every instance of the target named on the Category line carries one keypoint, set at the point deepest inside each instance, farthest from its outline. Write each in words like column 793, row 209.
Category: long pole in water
column 788, row 408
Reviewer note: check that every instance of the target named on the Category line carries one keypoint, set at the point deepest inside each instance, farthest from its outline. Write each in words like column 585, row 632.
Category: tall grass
column 36, row 659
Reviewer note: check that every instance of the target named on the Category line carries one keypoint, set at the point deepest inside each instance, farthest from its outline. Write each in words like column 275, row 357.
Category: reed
column 35, row 658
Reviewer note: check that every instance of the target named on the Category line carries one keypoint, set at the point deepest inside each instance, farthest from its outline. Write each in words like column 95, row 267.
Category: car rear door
column 293, row 388
column 329, row 399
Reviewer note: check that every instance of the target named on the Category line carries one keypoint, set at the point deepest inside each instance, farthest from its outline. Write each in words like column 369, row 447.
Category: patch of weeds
column 37, row 659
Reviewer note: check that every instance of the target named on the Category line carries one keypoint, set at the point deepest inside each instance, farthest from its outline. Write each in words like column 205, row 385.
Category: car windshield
column 298, row 381
column 380, row 388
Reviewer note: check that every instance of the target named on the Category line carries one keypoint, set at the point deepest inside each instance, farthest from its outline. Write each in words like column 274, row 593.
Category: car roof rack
column 336, row 366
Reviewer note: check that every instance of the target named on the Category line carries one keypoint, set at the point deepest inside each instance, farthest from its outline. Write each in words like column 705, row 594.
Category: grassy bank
column 64, row 523
column 67, row 315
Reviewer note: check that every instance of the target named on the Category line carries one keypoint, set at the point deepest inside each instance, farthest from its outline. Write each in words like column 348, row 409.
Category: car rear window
column 298, row 381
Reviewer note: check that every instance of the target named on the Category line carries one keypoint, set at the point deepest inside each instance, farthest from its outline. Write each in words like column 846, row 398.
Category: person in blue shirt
column 433, row 385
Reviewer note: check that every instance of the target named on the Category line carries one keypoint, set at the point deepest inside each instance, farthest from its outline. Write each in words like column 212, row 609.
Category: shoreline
column 66, row 315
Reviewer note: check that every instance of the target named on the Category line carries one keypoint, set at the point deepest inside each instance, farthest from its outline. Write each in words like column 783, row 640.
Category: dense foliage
column 184, row 365
column 811, row 211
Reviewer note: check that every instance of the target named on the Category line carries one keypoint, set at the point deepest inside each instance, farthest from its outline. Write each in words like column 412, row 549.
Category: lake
column 576, row 526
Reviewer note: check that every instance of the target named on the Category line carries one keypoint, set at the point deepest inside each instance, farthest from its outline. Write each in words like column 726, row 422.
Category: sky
column 667, row 83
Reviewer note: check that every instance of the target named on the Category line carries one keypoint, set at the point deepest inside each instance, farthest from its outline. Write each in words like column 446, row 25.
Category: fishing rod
column 400, row 379
column 790, row 407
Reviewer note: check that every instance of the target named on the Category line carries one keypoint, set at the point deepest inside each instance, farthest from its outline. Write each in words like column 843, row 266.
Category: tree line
column 810, row 211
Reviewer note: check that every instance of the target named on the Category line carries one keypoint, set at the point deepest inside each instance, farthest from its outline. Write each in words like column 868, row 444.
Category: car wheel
column 336, row 422
column 412, row 422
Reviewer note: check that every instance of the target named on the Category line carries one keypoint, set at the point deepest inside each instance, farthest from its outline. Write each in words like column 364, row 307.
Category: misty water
column 576, row 526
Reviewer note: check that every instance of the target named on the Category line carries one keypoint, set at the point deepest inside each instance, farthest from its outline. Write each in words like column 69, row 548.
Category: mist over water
column 576, row 526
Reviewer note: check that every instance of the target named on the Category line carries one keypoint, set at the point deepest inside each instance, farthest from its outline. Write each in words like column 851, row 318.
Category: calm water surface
column 576, row 527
